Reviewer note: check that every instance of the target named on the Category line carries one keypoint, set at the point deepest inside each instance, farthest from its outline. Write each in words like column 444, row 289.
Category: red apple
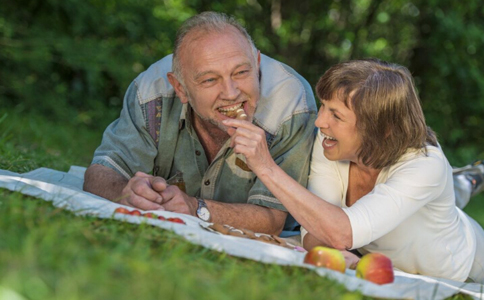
column 326, row 257
column 176, row 220
column 375, row 267
column 122, row 210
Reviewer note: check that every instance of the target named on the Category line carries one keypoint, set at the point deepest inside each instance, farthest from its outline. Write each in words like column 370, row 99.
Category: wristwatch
column 202, row 210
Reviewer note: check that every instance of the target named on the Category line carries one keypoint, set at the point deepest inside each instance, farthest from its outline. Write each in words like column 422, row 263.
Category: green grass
column 49, row 253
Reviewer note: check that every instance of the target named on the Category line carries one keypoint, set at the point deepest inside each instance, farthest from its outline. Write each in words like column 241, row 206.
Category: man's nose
column 230, row 90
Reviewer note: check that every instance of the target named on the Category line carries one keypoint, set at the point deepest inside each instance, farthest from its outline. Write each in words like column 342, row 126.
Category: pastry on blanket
column 279, row 240
column 236, row 232
column 266, row 239
column 223, row 229
column 249, row 233
column 228, row 230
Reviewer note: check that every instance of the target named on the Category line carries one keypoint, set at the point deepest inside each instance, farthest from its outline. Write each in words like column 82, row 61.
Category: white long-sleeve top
column 410, row 215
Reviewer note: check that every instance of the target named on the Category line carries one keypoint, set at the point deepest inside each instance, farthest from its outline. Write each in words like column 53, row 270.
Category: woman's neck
column 361, row 181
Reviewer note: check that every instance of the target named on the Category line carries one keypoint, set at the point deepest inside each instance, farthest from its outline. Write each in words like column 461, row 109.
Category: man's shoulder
column 284, row 93
column 153, row 83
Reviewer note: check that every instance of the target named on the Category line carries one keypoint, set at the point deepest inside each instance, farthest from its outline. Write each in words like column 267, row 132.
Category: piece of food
column 122, row 210
column 176, row 220
column 326, row 257
column 223, row 229
column 135, row 213
column 150, row 215
column 375, row 267
column 240, row 114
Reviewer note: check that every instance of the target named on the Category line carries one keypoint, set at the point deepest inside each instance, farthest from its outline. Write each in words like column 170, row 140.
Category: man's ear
column 258, row 58
column 179, row 89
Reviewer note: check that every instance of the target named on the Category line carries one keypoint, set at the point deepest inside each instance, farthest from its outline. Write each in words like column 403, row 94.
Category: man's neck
column 211, row 137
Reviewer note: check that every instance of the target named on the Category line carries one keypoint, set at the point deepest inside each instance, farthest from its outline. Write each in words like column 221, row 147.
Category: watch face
column 203, row 213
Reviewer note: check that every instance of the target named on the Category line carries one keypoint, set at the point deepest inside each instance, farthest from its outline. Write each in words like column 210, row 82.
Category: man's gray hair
column 209, row 22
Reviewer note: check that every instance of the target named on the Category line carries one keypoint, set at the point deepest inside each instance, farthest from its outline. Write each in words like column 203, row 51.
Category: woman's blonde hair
column 389, row 117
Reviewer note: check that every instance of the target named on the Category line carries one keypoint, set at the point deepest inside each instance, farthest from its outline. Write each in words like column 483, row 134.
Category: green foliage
column 72, row 60
column 47, row 253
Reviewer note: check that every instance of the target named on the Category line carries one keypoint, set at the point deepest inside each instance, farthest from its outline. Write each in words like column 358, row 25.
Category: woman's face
column 337, row 126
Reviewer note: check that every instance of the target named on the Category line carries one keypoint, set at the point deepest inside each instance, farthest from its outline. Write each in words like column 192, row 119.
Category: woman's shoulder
column 429, row 162
column 429, row 153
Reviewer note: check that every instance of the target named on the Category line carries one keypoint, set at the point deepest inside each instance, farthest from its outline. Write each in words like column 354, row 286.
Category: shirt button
column 207, row 182
column 197, row 153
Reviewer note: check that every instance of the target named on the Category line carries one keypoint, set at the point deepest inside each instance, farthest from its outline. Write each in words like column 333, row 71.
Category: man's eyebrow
column 243, row 64
column 201, row 74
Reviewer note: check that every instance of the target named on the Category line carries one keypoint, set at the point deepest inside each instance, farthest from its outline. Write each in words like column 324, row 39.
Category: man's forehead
column 197, row 39
column 228, row 31
column 214, row 48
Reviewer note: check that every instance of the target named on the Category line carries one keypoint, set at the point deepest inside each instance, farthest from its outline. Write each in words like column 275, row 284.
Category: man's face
column 220, row 75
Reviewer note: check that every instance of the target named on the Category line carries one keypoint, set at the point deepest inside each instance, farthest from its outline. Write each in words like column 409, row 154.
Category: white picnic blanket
column 65, row 190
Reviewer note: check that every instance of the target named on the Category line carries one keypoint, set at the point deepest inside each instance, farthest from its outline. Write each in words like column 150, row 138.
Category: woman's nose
column 321, row 120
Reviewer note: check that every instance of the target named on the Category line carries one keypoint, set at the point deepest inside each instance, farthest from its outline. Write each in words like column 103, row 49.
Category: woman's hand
column 351, row 259
column 250, row 141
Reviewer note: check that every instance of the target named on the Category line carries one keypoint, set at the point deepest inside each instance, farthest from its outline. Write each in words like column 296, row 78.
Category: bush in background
column 72, row 60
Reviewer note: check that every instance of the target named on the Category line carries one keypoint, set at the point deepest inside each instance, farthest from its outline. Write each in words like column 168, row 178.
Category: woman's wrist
column 266, row 172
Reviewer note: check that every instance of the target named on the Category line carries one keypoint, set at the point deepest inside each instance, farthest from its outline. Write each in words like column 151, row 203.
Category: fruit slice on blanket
column 375, row 267
column 150, row 215
column 326, row 257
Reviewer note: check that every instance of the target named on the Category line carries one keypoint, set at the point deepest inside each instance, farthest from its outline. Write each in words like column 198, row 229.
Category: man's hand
column 177, row 201
column 143, row 191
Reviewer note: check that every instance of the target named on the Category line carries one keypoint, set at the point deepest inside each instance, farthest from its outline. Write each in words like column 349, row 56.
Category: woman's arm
column 326, row 221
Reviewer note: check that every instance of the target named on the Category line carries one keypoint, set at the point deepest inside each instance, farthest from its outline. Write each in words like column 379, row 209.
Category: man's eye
column 336, row 116
column 243, row 72
column 208, row 80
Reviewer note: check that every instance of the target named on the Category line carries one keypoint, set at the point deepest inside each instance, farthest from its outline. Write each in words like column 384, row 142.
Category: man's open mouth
column 233, row 110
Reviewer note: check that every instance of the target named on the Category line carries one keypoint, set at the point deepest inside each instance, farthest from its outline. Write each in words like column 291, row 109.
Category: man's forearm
column 104, row 182
column 248, row 216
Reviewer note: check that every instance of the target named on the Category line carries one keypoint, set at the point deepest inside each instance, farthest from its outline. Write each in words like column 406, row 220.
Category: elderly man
column 172, row 121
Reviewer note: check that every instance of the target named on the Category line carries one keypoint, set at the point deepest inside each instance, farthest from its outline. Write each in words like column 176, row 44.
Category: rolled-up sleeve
column 127, row 146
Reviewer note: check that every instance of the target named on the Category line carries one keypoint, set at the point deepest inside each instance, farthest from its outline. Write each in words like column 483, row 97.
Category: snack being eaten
column 241, row 115
column 238, row 114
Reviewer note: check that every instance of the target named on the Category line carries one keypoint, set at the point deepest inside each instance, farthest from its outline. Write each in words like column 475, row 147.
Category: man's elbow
column 88, row 179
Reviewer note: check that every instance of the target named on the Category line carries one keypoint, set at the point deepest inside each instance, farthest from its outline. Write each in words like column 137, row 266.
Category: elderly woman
column 379, row 181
